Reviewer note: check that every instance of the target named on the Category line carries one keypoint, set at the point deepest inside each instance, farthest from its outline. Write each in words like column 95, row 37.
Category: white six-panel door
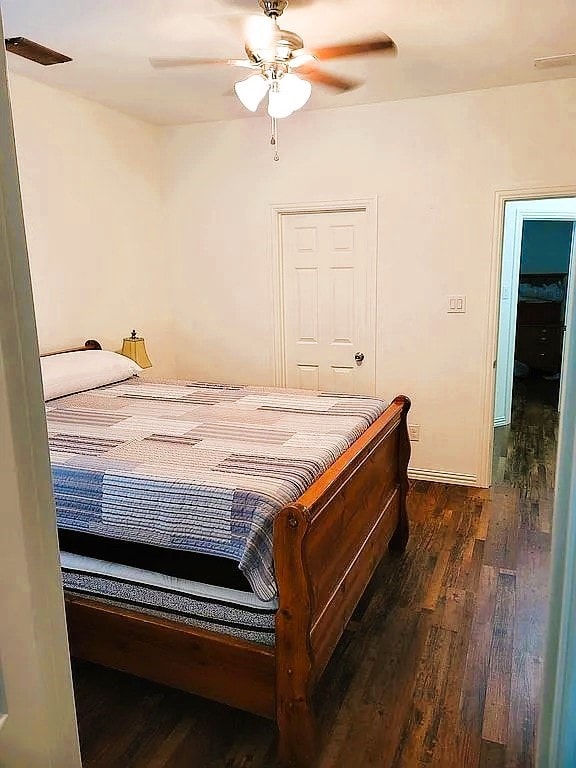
column 328, row 302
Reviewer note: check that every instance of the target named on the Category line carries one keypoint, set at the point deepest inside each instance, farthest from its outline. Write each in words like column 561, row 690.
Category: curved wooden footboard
column 326, row 548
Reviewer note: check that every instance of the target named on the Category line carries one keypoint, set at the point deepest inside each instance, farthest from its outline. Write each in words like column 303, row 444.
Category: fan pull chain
column 274, row 139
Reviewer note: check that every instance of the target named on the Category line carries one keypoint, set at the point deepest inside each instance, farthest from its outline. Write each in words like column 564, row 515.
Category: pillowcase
column 72, row 372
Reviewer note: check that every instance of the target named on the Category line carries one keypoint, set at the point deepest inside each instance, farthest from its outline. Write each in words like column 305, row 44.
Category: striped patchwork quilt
column 193, row 466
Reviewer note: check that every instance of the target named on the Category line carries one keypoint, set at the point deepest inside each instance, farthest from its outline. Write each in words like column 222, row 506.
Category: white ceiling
column 444, row 46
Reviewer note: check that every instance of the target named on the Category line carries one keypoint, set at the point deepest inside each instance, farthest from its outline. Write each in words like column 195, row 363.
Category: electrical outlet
column 456, row 303
column 414, row 432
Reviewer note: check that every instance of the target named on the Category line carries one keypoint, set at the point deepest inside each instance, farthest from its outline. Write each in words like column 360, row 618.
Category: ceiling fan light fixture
column 288, row 94
column 251, row 91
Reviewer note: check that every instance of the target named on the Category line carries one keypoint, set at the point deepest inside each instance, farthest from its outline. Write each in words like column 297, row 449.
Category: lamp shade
column 287, row 95
column 278, row 106
column 251, row 91
column 296, row 90
column 134, row 348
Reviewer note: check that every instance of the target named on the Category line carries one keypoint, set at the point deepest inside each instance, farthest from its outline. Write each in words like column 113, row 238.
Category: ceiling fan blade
column 302, row 58
column 193, row 62
column 332, row 81
column 28, row 49
column 383, row 44
column 565, row 60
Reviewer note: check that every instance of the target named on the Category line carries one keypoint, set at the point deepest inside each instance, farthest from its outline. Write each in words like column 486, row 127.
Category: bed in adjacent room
column 216, row 537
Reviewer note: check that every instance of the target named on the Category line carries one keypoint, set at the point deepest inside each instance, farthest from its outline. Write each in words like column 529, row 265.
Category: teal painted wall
column 545, row 246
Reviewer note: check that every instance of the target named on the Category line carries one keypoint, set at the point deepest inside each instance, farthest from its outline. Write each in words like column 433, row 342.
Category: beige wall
column 90, row 188
column 196, row 276
column 435, row 165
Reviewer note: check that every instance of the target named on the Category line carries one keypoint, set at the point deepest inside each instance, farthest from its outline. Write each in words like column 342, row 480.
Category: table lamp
column 134, row 348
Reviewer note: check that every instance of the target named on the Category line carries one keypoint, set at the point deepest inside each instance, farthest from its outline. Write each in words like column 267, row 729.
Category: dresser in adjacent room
column 539, row 334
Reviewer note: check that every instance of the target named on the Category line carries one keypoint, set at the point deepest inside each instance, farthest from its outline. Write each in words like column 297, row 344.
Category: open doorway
column 536, row 280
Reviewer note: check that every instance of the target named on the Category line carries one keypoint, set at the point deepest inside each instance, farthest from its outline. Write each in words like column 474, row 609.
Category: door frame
column 277, row 211
column 501, row 197
column 523, row 212
column 556, row 744
column 38, row 728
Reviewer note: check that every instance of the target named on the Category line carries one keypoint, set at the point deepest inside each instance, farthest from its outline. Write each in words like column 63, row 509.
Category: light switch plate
column 457, row 304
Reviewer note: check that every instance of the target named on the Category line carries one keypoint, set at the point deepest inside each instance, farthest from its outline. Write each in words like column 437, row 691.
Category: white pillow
column 73, row 372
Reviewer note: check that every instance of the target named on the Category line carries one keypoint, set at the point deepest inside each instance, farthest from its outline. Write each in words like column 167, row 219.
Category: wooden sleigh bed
column 327, row 545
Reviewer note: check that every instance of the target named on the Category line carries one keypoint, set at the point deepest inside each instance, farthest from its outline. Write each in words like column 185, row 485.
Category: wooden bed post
column 399, row 538
column 295, row 717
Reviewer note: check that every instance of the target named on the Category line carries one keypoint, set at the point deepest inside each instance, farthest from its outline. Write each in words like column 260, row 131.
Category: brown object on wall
column 28, row 49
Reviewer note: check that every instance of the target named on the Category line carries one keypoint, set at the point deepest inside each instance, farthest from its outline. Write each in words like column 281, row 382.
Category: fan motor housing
column 285, row 44
column 273, row 8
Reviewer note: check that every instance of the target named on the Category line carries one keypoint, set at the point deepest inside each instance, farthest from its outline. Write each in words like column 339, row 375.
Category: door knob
column 359, row 357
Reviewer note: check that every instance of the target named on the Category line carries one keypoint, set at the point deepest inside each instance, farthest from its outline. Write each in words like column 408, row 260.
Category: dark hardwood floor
column 440, row 667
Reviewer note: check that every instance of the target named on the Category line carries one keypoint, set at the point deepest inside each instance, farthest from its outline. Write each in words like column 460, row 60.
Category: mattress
column 232, row 612
column 195, row 467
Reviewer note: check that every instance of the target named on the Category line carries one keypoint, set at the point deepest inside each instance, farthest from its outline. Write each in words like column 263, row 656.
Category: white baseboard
column 437, row 476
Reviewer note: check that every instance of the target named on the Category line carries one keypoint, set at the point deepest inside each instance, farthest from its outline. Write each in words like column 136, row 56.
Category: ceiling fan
column 275, row 55
column 28, row 49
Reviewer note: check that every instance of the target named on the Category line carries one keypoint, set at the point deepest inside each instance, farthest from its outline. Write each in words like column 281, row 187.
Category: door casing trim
column 501, row 197
column 277, row 211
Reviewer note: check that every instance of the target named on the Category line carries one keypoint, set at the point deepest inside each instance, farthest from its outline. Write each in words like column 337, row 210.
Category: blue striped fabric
column 195, row 466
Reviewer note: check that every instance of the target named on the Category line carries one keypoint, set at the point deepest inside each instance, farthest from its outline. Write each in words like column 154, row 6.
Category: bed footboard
column 326, row 548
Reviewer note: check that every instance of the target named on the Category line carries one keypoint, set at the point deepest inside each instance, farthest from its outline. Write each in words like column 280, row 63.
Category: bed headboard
column 88, row 345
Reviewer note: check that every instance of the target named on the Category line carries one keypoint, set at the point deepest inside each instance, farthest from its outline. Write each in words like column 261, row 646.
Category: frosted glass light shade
column 135, row 349
column 290, row 94
column 278, row 105
column 251, row 91
column 295, row 89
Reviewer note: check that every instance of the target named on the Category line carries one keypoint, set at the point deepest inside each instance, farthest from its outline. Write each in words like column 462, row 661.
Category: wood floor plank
column 532, row 592
column 497, row 701
column 492, row 755
column 525, row 690
column 501, row 545
column 475, row 680
column 374, row 714
column 452, row 749
column 484, row 520
column 420, row 731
